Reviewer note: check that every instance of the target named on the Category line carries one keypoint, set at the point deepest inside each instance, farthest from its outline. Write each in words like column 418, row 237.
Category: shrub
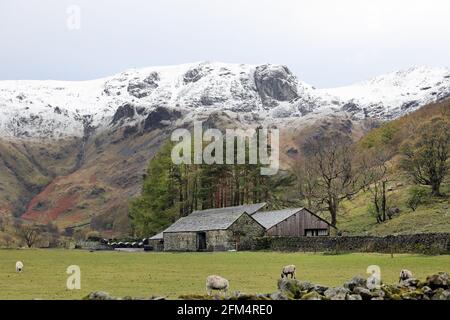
column 93, row 236
column 7, row 240
column 416, row 196
column 372, row 211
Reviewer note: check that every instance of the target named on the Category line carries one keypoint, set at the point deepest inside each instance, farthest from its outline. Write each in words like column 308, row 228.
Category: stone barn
column 222, row 229
column 157, row 242
column 299, row 222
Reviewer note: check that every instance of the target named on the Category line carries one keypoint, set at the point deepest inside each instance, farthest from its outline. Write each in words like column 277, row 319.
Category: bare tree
column 306, row 181
column 375, row 175
column 332, row 161
column 28, row 233
column 426, row 159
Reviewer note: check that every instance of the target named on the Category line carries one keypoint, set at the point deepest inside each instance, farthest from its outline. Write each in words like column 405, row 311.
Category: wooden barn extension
column 299, row 222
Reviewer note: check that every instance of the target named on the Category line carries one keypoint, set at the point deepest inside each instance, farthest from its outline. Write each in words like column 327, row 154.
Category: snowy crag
column 246, row 93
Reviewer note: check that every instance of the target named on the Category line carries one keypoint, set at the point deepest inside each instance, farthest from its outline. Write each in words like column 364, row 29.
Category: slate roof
column 268, row 219
column 212, row 219
column 158, row 236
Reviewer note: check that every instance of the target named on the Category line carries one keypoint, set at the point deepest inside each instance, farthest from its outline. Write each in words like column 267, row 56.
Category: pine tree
column 157, row 206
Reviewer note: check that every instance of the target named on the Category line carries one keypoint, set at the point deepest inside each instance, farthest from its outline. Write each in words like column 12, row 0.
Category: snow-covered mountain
column 394, row 94
column 247, row 93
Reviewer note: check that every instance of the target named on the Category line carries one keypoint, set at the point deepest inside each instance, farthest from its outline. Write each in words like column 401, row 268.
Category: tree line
column 332, row 169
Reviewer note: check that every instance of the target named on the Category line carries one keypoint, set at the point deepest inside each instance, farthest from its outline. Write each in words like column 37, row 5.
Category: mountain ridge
column 248, row 93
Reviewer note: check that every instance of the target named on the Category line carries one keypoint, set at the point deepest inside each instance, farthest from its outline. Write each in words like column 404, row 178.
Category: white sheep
column 288, row 270
column 405, row 275
column 19, row 266
column 216, row 283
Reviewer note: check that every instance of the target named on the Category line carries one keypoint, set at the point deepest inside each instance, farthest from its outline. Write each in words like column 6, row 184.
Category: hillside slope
column 432, row 216
column 26, row 168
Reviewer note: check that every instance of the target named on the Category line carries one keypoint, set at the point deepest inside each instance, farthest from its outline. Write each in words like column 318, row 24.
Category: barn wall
column 296, row 225
column 248, row 230
column 180, row 241
column 219, row 240
column 156, row 244
column 310, row 221
column 245, row 227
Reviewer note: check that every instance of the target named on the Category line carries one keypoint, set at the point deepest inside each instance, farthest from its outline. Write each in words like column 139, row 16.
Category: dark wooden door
column 201, row 241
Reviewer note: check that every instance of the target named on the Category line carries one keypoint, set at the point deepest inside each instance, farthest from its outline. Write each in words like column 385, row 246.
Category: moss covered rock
column 313, row 295
column 439, row 280
column 339, row 293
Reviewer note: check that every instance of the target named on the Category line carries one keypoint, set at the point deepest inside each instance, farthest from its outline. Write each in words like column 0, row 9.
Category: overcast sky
column 324, row 42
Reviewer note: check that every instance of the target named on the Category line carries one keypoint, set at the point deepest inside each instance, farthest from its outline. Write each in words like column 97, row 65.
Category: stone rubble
column 435, row 287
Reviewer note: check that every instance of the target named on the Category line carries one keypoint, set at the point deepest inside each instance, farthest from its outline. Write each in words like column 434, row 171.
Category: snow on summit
column 59, row 109
column 399, row 91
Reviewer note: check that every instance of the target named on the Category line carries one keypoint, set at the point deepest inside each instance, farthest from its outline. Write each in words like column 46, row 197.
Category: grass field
column 173, row 274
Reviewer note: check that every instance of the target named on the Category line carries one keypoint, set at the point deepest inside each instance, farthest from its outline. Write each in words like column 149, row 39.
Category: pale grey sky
column 324, row 42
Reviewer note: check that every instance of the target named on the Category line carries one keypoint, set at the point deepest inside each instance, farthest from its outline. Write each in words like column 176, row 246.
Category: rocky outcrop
column 160, row 117
column 351, row 107
column 143, row 88
column 275, row 83
column 196, row 73
column 123, row 112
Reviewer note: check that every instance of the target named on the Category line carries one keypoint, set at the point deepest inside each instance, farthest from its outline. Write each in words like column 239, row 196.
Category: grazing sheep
column 216, row 283
column 405, row 275
column 288, row 270
column 19, row 266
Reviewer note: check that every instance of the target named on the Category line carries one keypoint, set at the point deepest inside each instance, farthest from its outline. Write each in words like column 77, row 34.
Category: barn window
column 316, row 232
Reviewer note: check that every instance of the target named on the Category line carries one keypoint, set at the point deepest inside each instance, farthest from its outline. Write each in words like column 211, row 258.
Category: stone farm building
column 237, row 228
column 157, row 242
column 214, row 230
